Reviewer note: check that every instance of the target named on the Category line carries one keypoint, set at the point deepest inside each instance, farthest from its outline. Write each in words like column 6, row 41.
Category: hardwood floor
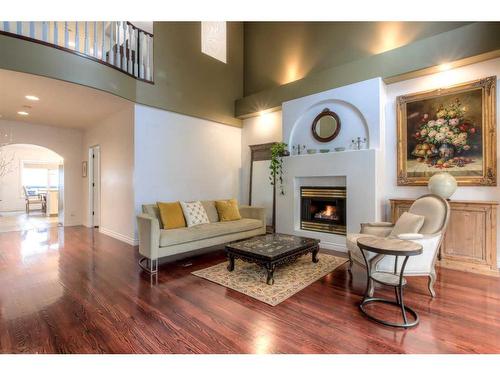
column 70, row 290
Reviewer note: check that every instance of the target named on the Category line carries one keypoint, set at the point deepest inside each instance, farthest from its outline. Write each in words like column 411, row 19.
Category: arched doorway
column 31, row 187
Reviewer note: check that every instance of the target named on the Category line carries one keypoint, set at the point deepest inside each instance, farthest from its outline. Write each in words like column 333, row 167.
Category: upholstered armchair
column 436, row 213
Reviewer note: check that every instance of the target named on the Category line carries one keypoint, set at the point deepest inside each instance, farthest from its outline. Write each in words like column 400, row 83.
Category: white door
column 60, row 201
column 94, row 186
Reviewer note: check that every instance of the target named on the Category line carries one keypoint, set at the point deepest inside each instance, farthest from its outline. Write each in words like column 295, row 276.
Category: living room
column 255, row 187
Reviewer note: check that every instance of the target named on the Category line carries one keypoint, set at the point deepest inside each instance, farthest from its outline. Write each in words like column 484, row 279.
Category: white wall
column 434, row 81
column 257, row 130
column 115, row 136
column 178, row 157
column 11, row 185
column 68, row 144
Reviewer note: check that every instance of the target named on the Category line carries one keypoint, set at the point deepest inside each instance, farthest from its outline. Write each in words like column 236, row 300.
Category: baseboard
column 129, row 240
column 333, row 246
column 72, row 224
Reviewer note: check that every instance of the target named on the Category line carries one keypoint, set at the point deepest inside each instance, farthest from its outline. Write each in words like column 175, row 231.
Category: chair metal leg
column 430, row 285
column 350, row 263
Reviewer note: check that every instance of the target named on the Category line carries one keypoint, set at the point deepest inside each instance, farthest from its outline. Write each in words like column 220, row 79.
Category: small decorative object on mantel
column 298, row 149
column 339, row 149
column 311, row 151
column 278, row 151
column 452, row 129
column 442, row 184
column 326, row 126
column 357, row 142
column 324, row 150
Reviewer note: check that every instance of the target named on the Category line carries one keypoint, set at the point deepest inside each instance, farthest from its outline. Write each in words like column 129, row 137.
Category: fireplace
column 323, row 209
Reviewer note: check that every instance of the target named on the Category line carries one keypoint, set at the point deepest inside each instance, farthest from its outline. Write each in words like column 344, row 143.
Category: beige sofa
column 156, row 243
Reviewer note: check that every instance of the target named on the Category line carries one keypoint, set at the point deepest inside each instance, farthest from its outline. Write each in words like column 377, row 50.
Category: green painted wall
column 458, row 43
column 186, row 81
column 280, row 52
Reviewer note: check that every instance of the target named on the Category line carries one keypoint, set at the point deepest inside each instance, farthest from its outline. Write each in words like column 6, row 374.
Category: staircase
column 118, row 44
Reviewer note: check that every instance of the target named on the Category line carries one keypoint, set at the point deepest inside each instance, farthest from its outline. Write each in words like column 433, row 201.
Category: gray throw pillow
column 407, row 223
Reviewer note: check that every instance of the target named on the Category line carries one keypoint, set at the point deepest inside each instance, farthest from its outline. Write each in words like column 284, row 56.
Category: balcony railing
column 120, row 45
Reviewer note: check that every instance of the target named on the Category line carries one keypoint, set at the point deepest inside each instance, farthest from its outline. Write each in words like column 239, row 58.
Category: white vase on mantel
column 442, row 184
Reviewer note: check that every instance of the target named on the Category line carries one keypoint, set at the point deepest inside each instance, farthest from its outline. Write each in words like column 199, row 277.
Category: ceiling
column 61, row 103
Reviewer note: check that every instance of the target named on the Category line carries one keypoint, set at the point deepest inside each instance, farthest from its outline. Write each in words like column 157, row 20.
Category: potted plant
column 278, row 151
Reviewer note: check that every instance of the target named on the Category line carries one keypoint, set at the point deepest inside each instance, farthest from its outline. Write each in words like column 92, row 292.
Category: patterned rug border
column 205, row 274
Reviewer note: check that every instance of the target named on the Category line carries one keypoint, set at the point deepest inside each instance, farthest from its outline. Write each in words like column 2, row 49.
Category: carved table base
column 271, row 265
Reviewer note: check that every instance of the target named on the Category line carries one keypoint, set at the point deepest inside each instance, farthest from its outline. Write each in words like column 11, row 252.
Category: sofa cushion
column 212, row 214
column 228, row 210
column 169, row 237
column 171, row 215
column 195, row 213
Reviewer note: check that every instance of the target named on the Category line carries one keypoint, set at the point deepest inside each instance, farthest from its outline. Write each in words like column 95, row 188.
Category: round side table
column 389, row 246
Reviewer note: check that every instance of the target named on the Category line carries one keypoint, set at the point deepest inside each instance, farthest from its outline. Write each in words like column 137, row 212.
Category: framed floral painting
column 451, row 129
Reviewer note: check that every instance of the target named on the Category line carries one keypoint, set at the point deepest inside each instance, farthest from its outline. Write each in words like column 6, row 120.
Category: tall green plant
column 278, row 150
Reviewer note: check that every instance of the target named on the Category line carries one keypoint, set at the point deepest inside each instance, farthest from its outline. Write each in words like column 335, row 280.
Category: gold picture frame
column 467, row 146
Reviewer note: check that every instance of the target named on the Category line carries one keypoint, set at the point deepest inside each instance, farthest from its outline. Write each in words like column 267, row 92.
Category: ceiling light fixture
column 32, row 97
column 23, row 113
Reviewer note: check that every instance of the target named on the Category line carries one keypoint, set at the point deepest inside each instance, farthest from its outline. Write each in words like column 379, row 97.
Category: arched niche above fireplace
column 358, row 105
column 353, row 125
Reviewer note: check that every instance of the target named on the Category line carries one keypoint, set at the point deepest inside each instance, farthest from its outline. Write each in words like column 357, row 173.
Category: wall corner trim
column 127, row 239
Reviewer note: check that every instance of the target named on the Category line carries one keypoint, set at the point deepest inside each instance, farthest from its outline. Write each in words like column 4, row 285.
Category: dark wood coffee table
column 271, row 250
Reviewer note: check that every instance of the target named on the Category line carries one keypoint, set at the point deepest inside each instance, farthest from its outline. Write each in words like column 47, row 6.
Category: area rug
column 250, row 279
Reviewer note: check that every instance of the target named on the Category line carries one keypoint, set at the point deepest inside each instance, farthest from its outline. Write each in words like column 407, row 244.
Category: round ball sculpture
column 442, row 184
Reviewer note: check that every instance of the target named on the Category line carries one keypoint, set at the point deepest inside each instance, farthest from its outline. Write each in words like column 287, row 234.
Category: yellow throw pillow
column 171, row 215
column 228, row 210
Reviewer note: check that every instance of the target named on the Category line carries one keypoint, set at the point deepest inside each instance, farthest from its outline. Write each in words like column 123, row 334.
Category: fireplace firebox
column 323, row 209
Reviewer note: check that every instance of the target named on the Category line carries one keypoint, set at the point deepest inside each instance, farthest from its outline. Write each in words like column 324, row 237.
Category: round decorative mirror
column 326, row 126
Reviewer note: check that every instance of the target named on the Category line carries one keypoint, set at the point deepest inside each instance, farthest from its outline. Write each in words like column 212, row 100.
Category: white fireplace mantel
column 360, row 108
column 355, row 169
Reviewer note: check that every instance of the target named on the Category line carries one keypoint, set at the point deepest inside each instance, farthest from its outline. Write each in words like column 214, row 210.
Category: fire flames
column 330, row 213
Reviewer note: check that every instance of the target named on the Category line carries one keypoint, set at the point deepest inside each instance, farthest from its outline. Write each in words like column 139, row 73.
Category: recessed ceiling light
column 23, row 113
column 32, row 97
column 444, row 67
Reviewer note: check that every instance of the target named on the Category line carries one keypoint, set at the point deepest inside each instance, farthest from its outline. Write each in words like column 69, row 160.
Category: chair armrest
column 378, row 224
column 149, row 235
column 379, row 229
column 410, row 236
column 251, row 212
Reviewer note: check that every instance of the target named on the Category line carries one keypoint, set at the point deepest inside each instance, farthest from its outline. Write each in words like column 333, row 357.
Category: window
column 213, row 40
column 38, row 177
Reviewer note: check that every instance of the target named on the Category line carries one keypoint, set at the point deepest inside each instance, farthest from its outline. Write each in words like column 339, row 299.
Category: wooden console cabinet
column 470, row 240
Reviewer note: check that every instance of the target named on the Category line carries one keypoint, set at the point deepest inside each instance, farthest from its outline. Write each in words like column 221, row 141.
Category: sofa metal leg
column 430, row 285
column 151, row 267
